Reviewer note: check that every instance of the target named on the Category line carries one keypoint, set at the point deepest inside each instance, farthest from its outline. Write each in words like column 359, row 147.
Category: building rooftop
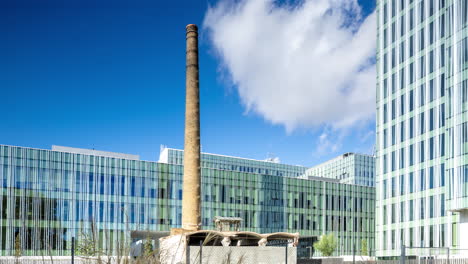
column 95, row 152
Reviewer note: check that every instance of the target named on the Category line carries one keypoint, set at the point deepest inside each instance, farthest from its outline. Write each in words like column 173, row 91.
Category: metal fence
column 42, row 260
column 60, row 260
column 407, row 261
column 260, row 255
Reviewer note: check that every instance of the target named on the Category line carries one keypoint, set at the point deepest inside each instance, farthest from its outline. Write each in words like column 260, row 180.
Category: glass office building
column 49, row 196
column 422, row 95
column 221, row 162
column 351, row 168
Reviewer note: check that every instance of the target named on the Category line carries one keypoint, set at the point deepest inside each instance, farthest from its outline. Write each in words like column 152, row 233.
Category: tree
column 86, row 245
column 364, row 250
column 18, row 251
column 147, row 248
column 326, row 244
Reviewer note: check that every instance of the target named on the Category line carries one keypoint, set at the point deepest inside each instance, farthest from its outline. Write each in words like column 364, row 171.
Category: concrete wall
column 244, row 255
column 321, row 261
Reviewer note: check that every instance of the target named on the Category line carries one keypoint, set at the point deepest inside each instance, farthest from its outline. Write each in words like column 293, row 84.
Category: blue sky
column 110, row 75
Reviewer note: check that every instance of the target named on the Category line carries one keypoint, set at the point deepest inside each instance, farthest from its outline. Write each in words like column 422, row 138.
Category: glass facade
column 221, row 162
column 47, row 197
column 422, row 72
column 351, row 168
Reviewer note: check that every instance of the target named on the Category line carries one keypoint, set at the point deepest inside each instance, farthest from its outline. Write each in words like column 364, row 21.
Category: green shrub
column 326, row 244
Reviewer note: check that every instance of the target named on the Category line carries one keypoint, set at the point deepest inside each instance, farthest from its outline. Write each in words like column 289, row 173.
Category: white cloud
column 329, row 141
column 303, row 65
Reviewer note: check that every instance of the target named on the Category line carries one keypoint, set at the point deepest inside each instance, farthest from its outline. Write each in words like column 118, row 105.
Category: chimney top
column 191, row 27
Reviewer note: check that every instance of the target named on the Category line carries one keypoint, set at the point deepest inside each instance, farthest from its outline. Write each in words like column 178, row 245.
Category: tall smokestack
column 191, row 219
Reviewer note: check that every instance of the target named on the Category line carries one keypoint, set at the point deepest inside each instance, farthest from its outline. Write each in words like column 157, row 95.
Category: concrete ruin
column 217, row 246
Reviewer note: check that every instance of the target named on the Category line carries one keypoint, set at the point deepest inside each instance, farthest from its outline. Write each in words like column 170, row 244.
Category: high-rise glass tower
column 422, row 128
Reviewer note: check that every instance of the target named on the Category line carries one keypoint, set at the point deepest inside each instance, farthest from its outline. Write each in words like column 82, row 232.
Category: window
column 442, row 175
column 402, row 104
column 431, row 206
column 132, row 186
column 454, row 234
column 421, row 210
column 122, row 185
column 431, row 91
column 431, row 32
column 422, row 94
column 421, row 11
column 385, row 234
column 422, row 182
column 393, row 109
column 385, row 113
column 442, row 235
column 385, row 88
column 101, row 189
column 431, row 61
column 411, row 73
column 402, row 184
column 411, row 18
column 442, row 205
column 385, row 135
column 431, row 177
column 411, row 101
column 422, row 127
column 442, row 115
column 385, row 38
column 402, row 158
column 385, row 11
column 411, row 46
column 442, row 85
column 421, row 39
column 411, row 155
column 112, row 185
column 431, row 232
column 422, row 67
column 431, row 119
column 442, row 26
column 385, row 168
column 384, row 189
column 402, row 78
column 385, row 68
column 402, row 214
column 431, row 10
column 402, row 131
column 421, row 151
column 402, row 25
column 402, row 51
column 384, row 214
column 411, row 232
column 442, row 144
column 411, row 128
column 411, row 187
column 393, row 135
column 431, row 148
